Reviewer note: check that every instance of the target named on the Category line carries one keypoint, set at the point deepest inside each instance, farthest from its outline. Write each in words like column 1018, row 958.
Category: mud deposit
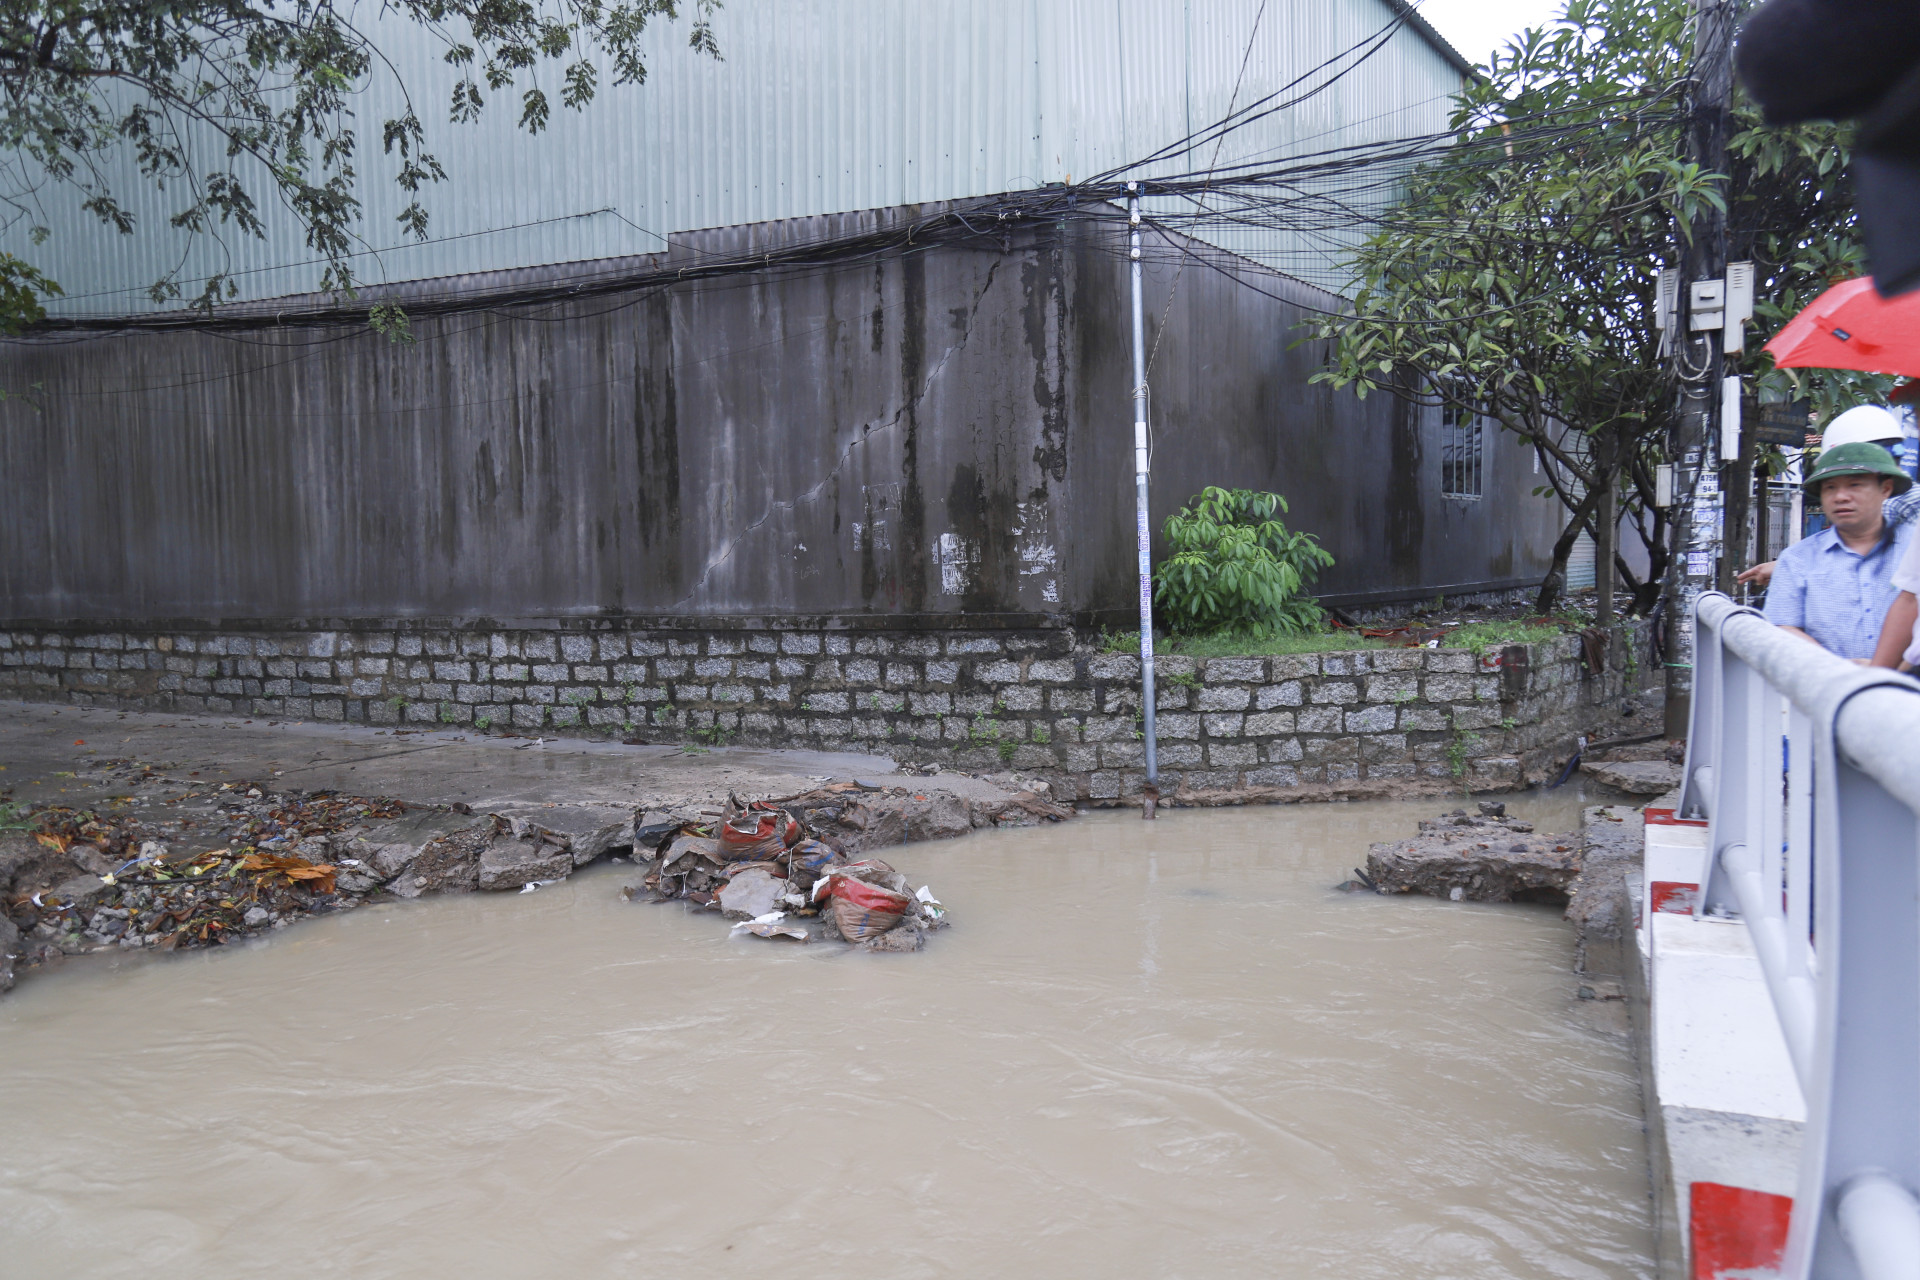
column 1160, row 1049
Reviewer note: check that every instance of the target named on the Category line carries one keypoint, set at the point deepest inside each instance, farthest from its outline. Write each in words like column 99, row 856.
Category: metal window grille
column 1461, row 464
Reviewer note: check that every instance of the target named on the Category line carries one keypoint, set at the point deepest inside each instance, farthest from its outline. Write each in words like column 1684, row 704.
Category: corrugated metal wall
column 820, row 106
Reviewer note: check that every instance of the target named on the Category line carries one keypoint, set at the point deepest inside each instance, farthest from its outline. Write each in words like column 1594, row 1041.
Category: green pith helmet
column 1861, row 458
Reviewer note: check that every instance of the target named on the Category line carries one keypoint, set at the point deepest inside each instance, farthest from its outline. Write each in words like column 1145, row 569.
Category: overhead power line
column 1323, row 197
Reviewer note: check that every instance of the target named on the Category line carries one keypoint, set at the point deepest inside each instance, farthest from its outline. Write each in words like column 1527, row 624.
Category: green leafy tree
column 1516, row 278
column 227, row 104
column 1235, row 567
column 21, row 291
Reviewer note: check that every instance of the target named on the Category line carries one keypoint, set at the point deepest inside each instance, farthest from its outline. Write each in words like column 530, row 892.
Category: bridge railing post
column 1807, row 768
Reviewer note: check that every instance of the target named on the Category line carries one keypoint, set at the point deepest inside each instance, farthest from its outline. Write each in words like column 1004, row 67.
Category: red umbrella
column 1852, row 327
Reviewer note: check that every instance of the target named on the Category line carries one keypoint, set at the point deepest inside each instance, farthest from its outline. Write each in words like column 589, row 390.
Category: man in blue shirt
column 1834, row 587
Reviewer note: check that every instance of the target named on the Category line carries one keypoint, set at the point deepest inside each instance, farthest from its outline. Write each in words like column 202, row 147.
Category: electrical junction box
column 1666, row 307
column 1739, row 307
column 1706, row 304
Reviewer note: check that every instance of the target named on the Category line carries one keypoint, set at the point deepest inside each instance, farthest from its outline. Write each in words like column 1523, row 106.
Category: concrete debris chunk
column 386, row 860
column 751, row 894
column 1477, row 859
column 518, row 852
column 1635, row 777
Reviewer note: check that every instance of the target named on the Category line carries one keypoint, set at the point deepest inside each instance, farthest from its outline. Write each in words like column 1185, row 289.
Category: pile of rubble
column 788, row 869
column 78, row 880
column 196, row 863
column 1484, row 857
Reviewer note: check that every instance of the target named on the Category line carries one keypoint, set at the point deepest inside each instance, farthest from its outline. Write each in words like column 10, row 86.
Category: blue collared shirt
column 1837, row 596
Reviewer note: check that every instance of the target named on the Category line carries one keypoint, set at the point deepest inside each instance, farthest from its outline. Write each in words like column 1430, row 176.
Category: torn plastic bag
column 712, row 850
column 769, row 926
column 689, row 863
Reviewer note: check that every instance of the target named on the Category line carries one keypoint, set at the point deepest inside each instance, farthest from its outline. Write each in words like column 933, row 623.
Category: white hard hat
column 1862, row 422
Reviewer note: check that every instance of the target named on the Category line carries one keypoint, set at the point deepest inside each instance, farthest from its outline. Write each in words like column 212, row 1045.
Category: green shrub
column 1236, row 567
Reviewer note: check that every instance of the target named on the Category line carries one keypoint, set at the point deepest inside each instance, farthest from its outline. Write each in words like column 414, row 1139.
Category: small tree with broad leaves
column 1516, row 279
column 1235, row 567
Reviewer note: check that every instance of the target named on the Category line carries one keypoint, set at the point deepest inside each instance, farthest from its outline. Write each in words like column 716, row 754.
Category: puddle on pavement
column 1159, row 1049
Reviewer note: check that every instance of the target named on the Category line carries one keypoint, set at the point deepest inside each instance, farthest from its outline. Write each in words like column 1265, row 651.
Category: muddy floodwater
column 1152, row 1050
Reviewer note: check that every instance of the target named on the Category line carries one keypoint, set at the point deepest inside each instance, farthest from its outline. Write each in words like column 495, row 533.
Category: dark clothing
column 1844, row 60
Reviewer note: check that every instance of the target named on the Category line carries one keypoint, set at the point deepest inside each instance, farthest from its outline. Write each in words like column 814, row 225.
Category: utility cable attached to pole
column 1696, row 448
column 1150, row 793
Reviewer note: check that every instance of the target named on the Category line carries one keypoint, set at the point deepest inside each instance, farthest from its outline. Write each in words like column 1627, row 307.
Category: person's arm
column 1795, row 631
column 1896, row 633
column 1787, row 595
column 1760, row 575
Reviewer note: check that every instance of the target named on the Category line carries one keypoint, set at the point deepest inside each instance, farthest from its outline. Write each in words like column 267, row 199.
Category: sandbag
column 873, row 871
column 757, row 833
column 862, row 910
column 810, row 860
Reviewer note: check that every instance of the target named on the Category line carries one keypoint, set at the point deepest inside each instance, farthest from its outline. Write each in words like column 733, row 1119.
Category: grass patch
column 1482, row 636
column 1479, row 637
column 1241, row 645
column 1238, row 644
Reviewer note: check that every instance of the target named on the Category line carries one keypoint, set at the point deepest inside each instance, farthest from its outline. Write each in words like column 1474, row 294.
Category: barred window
column 1460, row 454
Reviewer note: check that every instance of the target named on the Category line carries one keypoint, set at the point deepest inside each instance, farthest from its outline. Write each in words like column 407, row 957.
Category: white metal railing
column 1807, row 767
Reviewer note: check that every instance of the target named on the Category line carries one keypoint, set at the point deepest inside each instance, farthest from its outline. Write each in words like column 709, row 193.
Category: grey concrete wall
column 924, row 435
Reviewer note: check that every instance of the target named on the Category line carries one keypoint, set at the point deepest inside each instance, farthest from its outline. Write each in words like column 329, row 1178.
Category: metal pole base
column 1679, row 711
column 1149, row 801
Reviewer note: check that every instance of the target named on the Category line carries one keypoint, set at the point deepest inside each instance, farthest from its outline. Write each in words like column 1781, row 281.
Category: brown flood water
column 1150, row 1050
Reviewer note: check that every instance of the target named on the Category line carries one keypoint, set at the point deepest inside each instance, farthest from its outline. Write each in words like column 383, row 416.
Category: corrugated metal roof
column 824, row 106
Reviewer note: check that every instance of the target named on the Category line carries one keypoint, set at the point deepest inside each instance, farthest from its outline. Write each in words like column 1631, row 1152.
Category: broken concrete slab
column 751, row 894
column 935, row 815
column 449, row 863
column 1635, row 777
column 1478, row 859
column 489, row 774
column 28, row 866
column 519, row 853
column 1599, row 907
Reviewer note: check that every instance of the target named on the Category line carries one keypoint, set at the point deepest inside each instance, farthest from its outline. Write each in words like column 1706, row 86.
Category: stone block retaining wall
column 1353, row 723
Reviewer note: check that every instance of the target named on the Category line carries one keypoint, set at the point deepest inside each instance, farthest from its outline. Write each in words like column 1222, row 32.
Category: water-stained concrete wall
column 927, row 433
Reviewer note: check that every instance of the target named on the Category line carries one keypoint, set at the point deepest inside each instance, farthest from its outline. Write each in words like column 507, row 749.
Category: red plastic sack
column 757, row 834
column 862, row 910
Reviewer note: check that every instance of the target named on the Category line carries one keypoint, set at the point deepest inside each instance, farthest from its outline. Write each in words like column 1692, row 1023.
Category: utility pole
column 1696, row 447
column 1150, row 795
